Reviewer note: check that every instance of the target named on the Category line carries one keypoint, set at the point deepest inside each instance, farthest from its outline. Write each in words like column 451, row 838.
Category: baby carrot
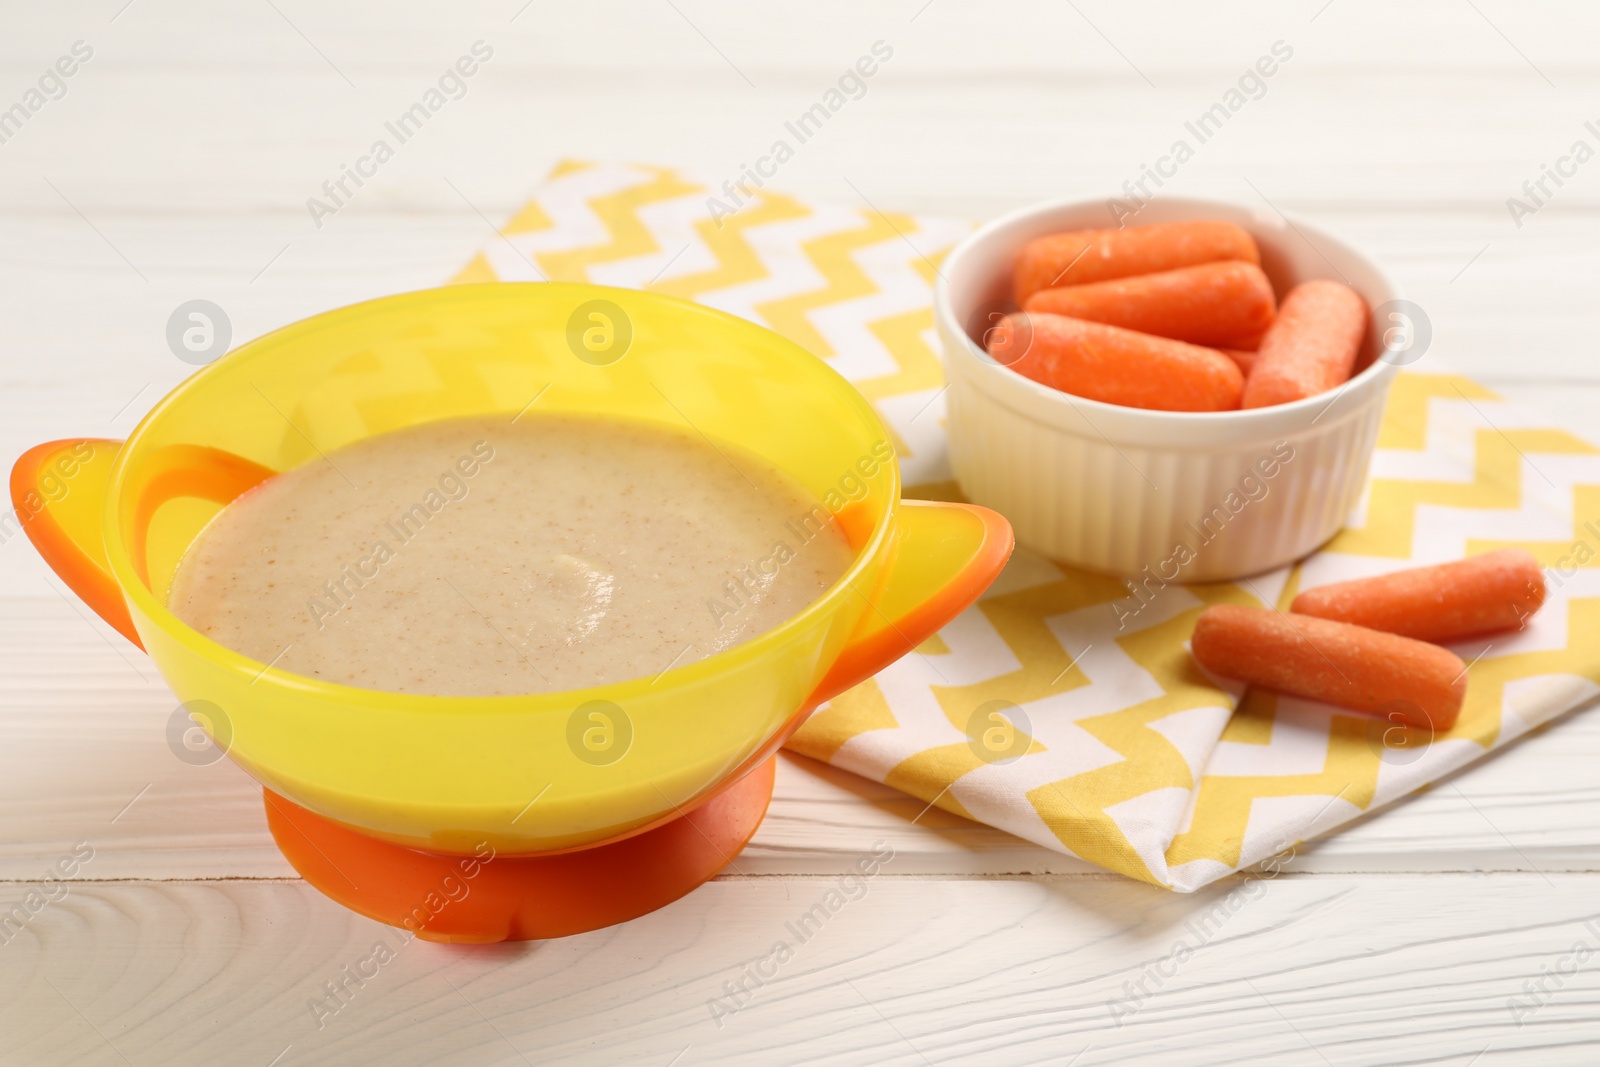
column 1099, row 255
column 1364, row 670
column 1225, row 303
column 1115, row 365
column 1311, row 346
column 1493, row 591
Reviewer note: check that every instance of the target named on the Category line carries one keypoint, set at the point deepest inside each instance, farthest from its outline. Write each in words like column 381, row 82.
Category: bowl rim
column 1131, row 423
column 153, row 608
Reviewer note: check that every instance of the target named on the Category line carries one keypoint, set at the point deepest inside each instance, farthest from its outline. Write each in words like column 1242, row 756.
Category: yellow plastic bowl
column 448, row 773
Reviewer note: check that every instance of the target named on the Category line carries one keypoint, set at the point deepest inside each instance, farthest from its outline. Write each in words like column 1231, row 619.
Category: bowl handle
column 942, row 558
column 59, row 492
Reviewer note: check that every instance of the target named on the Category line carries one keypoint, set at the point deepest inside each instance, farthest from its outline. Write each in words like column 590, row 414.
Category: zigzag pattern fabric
column 1132, row 758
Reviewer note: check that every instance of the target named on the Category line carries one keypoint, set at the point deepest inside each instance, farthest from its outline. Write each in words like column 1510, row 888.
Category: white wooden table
column 177, row 166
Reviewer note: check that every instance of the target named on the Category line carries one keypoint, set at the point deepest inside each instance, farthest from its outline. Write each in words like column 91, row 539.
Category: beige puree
column 482, row 557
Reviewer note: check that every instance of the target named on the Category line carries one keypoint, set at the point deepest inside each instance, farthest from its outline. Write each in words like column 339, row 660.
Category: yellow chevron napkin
column 1127, row 756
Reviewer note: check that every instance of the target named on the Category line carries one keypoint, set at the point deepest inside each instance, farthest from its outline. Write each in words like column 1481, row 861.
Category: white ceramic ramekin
column 1182, row 496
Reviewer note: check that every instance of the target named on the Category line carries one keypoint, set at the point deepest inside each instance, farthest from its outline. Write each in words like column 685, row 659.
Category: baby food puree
column 487, row 557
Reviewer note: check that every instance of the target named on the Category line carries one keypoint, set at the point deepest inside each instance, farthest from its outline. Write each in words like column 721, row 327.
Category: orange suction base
column 487, row 897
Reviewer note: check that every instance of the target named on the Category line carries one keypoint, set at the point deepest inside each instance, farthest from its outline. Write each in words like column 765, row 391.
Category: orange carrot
column 1244, row 358
column 1213, row 304
column 1115, row 365
column 1364, row 670
column 1493, row 591
column 1311, row 346
column 1099, row 255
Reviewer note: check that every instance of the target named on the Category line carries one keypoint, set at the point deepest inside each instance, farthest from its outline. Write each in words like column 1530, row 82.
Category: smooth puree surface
column 484, row 557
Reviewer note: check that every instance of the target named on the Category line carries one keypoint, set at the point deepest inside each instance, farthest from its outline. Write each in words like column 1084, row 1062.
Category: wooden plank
column 1290, row 970
column 1082, row 101
column 1457, row 140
